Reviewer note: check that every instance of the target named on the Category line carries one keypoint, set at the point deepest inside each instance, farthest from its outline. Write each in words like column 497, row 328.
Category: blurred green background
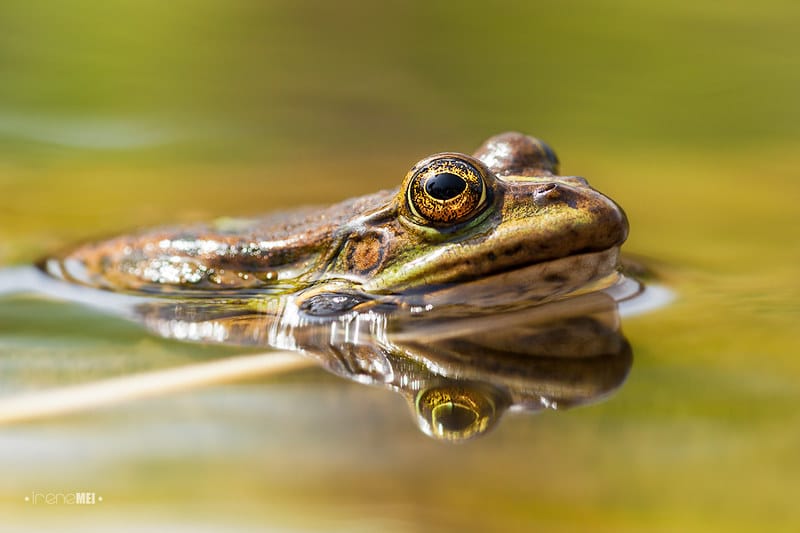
column 120, row 114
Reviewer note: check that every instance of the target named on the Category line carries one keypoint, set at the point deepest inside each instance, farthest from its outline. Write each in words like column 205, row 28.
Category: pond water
column 115, row 118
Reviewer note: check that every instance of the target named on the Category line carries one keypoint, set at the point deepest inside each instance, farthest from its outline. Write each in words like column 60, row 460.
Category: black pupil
column 445, row 186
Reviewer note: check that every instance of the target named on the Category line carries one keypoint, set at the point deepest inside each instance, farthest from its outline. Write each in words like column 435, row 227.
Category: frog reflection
column 459, row 372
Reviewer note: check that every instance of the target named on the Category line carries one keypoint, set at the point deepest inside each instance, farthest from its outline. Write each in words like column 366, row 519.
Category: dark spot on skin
column 492, row 256
column 555, row 278
column 513, row 251
column 365, row 253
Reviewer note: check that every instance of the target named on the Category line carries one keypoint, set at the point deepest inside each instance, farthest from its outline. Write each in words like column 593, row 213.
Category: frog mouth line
column 541, row 281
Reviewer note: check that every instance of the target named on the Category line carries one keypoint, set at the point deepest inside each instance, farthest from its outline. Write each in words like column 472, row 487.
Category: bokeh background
column 120, row 114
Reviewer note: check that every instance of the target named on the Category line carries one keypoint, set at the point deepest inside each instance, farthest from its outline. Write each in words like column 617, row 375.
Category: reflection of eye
column 458, row 412
column 447, row 190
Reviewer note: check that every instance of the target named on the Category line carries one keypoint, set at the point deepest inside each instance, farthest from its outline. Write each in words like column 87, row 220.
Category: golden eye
column 446, row 189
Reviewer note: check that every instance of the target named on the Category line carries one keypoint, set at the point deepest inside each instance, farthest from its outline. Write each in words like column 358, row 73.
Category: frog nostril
column 547, row 190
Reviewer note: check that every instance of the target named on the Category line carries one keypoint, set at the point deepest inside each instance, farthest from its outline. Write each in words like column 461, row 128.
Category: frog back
column 290, row 247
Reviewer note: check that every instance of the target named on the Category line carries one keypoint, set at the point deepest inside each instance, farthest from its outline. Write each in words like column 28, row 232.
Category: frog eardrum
column 446, row 189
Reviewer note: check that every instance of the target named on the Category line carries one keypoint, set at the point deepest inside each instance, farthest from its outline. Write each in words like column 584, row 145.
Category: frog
column 454, row 220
